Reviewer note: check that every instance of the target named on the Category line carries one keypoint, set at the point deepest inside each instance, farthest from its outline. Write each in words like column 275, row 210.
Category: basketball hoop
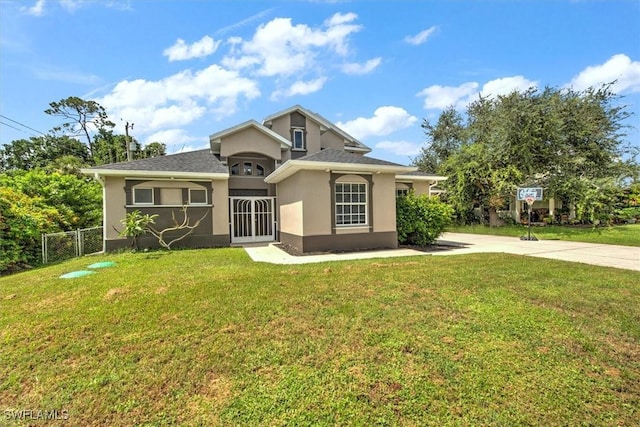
column 529, row 199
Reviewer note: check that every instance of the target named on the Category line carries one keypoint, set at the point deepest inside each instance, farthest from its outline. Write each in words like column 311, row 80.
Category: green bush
column 421, row 219
column 22, row 221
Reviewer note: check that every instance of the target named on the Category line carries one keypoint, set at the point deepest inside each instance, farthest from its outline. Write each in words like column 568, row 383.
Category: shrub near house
column 421, row 219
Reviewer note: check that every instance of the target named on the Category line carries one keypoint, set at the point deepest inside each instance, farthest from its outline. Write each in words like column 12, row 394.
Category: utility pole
column 128, row 140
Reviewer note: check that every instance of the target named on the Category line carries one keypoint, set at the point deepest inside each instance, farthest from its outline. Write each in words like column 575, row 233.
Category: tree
column 110, row 148
column 78, row 200
column 154, row 149
column 36, row 152
column 22, row 220
column 136, row 225
column 565, row 141
column 80, row 117
column 444, row 139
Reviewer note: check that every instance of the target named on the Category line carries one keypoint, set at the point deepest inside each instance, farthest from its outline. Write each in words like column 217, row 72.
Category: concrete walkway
column 625, row 257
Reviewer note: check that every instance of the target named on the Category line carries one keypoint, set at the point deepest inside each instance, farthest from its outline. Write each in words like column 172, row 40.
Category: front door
column 252, row 219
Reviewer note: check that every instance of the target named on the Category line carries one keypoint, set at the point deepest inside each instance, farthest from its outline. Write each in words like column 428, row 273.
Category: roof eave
column 155, row 174
column 422, row 177
column 293, row 166
column 216, row 138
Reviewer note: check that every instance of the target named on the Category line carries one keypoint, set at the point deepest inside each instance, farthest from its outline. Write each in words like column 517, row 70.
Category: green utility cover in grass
column 75, row 274
column 102, row 264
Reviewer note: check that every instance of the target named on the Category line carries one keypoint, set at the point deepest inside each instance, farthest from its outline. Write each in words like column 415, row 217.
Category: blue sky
column 182, row 70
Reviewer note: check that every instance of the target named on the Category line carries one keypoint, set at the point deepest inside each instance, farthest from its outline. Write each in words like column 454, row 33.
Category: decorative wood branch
column 159, row 234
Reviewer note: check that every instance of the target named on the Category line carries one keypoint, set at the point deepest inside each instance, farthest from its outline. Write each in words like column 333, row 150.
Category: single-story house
column 295, row 178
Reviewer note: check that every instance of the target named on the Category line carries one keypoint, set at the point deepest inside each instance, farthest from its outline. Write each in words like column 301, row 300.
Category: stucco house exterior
column 294, row 178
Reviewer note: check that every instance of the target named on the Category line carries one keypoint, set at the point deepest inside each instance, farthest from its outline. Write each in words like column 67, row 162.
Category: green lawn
column 626, row 235
column 210, row 338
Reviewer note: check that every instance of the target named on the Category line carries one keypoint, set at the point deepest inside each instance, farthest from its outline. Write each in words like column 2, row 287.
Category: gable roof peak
column 350, row 142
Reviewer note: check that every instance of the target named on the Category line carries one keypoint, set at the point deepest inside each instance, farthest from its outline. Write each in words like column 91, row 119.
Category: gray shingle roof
column 420, row 173
column 200, row 161
column 331, row 155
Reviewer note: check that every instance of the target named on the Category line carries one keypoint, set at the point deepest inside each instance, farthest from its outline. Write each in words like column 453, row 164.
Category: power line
column 18, row 129
column 21, row 124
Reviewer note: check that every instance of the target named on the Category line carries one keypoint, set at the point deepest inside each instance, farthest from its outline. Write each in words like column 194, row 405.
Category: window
column 351, row 204
column 259, row 170
column 235, row 169
column 143, row 196
column 247, row 168
column 401, row 192
column 298, row 139
column 197, row 196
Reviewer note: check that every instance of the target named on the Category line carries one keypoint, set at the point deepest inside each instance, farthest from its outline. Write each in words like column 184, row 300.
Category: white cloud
column 340, row 18
column 180, row 98
column 300, row 88
column 400, row 148
column 36, row 10
column 177, row 140
column 421, row 37
column 279, row 48
column 506, row 85
column 358, row 69
column 619, row 67
column 71, row 5
column 441, row 97
column 181, row 51
column 385, row 121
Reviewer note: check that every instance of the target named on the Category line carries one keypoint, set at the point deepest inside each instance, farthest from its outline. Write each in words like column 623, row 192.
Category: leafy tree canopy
column 566, row 141
column 37, row 152
column 80, row 117
column 77, row 199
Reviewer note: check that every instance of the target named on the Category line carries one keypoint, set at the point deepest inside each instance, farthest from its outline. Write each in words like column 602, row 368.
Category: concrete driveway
column 625, row 257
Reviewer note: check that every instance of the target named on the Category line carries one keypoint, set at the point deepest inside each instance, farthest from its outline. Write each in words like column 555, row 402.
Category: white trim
column 150, row 175
column 351, row 204
column 206, row 197
column 133, row 196
column 290, row 167
column 170, row 206
column 300, row 131
column 412, row 178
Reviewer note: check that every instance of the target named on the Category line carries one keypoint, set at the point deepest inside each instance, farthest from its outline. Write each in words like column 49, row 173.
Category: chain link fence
column 70, row 244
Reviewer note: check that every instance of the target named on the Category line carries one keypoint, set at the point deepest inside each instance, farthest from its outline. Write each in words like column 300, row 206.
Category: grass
column 625, row 235
column 209, row 338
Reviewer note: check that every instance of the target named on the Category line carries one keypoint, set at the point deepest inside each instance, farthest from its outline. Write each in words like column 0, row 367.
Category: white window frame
column 351, row 204
column 136, row 202
column 206, row 196
column 293, row 137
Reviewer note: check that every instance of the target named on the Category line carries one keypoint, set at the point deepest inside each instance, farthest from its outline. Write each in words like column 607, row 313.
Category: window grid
column 351, row 204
